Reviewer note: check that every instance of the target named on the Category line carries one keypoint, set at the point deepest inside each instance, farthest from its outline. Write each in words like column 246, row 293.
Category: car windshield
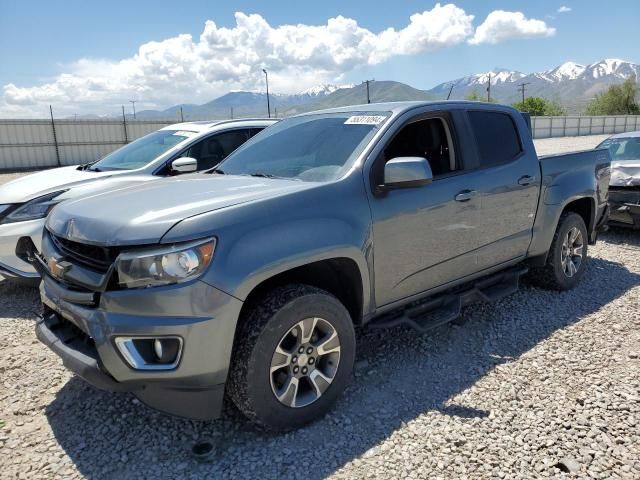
column 622, row 148
column 313, row 148
column 141, row 152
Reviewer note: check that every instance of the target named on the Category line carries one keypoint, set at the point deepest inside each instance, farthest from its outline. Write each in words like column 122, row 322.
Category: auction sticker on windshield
column 365, row 120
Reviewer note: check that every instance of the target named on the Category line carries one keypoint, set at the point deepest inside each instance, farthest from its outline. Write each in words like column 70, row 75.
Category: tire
column 285, row 318
column 557, row 274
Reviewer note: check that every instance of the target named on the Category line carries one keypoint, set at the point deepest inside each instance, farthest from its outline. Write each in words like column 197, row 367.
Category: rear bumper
column 10, row 265
column 84, row 337
column 624, row 205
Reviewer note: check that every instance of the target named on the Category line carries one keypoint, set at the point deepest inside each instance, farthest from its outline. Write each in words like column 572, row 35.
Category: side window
column 430, row 139
column 496, row 137
column 212, row 150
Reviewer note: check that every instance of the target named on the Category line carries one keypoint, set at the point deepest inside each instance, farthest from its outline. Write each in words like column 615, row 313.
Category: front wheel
column 567, row 256
column 293, row 356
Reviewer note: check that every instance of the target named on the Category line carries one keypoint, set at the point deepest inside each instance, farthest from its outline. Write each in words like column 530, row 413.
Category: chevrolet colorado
column 249, row 279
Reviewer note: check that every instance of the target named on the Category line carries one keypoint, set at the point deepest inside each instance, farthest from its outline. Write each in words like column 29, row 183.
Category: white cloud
column 184, row 69
column 564, row 9
column 500, row 26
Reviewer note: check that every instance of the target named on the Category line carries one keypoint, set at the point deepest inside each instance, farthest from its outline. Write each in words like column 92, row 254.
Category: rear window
column 496, row 137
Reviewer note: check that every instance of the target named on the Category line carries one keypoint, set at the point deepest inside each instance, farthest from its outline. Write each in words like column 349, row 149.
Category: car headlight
column 164, row 266
column 33, row 209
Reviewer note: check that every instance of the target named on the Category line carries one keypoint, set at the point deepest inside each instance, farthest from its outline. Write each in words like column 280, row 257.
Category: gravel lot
column 542, row 384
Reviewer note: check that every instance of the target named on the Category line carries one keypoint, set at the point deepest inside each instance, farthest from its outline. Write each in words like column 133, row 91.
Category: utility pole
column 231, row 112
column 133, row 103
column 266, row 79
column 368, row 93
column 181, row 114
column 521, row 88
column 489, row 90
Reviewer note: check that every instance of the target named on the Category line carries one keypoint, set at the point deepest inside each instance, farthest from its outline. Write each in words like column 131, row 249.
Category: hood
column 35, row 185
column 625, row 173
column 142, row 214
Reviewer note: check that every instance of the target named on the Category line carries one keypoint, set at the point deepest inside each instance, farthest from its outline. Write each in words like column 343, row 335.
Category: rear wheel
column 567, row 256
column 293, row 356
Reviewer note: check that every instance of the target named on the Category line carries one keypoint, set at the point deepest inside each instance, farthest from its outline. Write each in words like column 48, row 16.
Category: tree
column 538, row 106
column 617, row 100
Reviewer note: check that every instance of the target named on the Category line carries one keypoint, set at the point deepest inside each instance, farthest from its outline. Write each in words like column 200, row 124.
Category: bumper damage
column 624, row 206
column 11, row 265
column 86, row 338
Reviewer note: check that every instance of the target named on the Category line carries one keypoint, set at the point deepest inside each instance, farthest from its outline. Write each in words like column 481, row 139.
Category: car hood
column 625, row 173
column 142, row 214
column 35, row 185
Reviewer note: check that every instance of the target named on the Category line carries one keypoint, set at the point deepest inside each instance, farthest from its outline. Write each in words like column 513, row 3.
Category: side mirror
column 184, row 165
column 406, row 172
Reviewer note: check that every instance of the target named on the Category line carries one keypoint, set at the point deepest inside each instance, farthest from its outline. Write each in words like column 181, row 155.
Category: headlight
column 36, row 208
column 164, row 266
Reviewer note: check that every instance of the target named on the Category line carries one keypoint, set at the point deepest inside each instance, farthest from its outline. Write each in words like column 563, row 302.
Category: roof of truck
column 400, row 107
column 626, row 135
column 206, row 125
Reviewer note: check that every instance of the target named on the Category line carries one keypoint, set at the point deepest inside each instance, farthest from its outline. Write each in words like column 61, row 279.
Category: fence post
column 55, row 137
column 626, row 120
column 590, row 125
column 564, row 126
column 533, row 127
column 550, row 127
column 124, row 126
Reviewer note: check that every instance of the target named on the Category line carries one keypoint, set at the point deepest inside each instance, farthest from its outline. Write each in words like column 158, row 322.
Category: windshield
column 622, row 148
column 313, row 148
column 141, row 152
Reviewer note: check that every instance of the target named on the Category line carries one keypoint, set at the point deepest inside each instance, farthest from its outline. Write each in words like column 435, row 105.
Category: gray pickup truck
column 249, row 279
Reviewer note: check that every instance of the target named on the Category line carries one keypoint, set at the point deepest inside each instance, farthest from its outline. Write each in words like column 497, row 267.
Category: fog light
column 157, row 347
column 150, row 353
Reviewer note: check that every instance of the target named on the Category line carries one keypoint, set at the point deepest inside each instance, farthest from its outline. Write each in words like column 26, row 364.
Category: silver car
column 624, row 188
column 175, row 149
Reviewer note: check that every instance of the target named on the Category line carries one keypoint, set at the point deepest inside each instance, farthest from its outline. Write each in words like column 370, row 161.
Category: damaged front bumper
column 624, row 206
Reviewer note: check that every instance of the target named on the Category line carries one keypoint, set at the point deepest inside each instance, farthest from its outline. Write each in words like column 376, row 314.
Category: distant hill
column 570, row 84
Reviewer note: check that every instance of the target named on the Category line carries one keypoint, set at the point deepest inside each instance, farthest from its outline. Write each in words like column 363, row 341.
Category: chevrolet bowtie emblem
column 58, row 267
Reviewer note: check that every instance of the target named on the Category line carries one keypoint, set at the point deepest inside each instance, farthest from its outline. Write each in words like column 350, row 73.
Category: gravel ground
column 541, row 384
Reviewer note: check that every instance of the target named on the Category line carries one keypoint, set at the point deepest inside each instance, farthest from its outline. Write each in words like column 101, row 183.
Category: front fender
column 259, row 240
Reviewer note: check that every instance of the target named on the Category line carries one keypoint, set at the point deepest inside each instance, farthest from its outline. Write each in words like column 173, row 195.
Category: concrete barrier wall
column 32, row 144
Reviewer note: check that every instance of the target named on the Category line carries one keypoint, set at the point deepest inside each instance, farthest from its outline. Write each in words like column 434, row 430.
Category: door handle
column 465, row 195
column 526, row 180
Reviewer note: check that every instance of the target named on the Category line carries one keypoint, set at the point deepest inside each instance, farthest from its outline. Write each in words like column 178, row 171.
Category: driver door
column 425, row 236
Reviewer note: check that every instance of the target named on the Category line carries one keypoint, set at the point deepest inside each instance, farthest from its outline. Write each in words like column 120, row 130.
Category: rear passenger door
column 510, row 184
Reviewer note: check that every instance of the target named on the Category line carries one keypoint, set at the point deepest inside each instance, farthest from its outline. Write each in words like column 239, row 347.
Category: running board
column 425, row 315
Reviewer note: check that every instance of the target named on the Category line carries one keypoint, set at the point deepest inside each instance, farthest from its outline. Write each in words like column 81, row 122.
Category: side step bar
column 425, row 315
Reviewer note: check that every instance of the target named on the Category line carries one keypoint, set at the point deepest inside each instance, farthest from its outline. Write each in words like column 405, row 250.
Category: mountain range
column 571, row 85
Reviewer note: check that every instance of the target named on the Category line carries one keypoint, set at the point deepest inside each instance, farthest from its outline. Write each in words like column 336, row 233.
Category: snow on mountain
column 612, row 67
column 566, row 71
column 324, row 89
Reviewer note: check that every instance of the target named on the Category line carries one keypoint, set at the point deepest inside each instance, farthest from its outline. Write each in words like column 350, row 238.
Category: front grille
column 92, row 256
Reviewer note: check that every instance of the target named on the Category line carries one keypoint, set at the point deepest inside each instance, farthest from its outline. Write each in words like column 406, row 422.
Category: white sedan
column 184, row 147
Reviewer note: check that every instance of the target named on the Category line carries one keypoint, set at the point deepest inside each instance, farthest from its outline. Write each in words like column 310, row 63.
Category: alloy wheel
column 305, row 362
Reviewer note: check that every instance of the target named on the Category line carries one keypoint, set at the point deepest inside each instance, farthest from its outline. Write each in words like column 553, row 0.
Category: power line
column 522, row 87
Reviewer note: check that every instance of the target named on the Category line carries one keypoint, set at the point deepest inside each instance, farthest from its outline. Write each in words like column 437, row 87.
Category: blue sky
column 42, row 40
